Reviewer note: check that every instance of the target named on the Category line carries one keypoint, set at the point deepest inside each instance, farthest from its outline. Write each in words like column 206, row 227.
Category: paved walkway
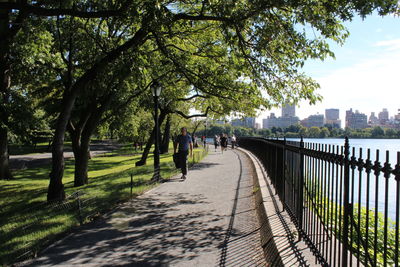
column 40, row 159
column 208, row 220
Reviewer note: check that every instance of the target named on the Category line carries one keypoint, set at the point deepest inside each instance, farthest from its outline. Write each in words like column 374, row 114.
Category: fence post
column 301, row 187
column 283, row 173
column 79, row 208
column 346, row 204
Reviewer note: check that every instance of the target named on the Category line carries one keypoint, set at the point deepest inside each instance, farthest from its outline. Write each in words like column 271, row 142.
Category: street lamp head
column 156, row 89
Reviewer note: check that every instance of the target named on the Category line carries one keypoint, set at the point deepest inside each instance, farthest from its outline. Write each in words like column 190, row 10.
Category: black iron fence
column 344, row 202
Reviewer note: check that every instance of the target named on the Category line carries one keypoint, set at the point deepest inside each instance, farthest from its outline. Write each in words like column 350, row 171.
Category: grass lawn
column 28, row 223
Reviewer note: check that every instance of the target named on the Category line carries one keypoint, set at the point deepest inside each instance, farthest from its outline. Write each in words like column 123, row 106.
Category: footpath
column 40, row 159
column 207, row 220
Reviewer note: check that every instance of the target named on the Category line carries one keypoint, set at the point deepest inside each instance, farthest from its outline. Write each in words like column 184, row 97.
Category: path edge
column 261, row 193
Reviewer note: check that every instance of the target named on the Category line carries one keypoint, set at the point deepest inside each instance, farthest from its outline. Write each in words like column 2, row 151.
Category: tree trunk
column 150, row 142
column 146, row 149
column 166, row 137
column 81, row 164
column 5, row 83
column 56, row 187
column 80, row 155
column 5, row 173
column 81, row 136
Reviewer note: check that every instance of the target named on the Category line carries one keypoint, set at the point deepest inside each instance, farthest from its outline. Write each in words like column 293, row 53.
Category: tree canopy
column 82, row 62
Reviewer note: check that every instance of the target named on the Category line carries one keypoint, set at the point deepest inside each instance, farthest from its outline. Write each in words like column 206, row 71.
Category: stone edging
column 260, row 190
column 279, row 236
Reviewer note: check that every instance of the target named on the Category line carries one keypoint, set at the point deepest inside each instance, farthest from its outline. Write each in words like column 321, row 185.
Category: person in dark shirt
column 184, row 144
column 224, row 142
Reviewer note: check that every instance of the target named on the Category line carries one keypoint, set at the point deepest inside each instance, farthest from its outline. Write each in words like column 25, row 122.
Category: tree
column 314, row 132
column 225, row 61
column 295, row 128
column 238, row 56
column 264, row 132
column 324, row 132
column 377, row 132
column 390, row 133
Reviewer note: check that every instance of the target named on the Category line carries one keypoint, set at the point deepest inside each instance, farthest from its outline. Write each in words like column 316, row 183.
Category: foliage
column 296, row 131
column 362, row 232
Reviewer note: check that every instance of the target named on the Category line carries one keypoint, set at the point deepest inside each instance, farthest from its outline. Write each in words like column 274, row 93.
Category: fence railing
column 345, row 202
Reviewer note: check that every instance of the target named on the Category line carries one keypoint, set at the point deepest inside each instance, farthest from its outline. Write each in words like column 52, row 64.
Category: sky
column 365, row 74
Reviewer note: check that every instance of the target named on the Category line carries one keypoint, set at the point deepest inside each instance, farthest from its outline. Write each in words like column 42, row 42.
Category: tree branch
column 205, row 114
column 183, row 16
column 41, row 11
column 191, row 97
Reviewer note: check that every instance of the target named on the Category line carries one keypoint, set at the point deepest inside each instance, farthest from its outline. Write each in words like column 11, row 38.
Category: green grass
column 28, row 223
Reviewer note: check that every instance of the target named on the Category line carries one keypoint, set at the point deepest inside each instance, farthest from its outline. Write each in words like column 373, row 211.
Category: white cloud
column 390, row 45
column 370, row 85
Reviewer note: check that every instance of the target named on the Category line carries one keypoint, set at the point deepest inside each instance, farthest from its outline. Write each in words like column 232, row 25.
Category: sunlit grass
column 27, row 223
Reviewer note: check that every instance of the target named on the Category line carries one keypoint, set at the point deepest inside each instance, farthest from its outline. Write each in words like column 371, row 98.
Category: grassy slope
column 27, row 222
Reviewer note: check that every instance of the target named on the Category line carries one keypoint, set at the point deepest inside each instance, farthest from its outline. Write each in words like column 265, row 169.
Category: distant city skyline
column 342, row 113
column 353, row 119
column 364, row 75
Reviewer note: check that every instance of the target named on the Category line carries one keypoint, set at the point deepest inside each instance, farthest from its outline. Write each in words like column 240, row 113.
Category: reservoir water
column 376, row 185
column 382, row 145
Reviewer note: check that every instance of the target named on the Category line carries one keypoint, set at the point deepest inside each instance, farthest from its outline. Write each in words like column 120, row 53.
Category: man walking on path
column 184, row 143
column 224, row 142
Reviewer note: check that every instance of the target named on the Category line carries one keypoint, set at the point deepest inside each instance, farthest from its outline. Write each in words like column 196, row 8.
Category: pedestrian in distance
column 233, row 141
column 216, row 142
column 203, row 139
column 183, row 143
column 224, row 142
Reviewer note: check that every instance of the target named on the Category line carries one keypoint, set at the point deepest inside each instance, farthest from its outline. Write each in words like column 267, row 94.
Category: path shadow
column 203, row 165
column 147, row 231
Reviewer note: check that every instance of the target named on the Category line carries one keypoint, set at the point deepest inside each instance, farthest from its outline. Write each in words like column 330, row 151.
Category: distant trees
column 377, row 132
column 325, row 132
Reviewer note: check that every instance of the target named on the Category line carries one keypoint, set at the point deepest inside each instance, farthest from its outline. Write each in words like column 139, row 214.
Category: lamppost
column 156, row 91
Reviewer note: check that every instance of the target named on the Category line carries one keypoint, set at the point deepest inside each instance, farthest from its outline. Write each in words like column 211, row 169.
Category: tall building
column 356, row 120
column 349, row 113
column 332, row 114
column 288, row 111
column 383, row 116
column 248, row 122
column 281, row 122
column 373, row 120
column 397, row 119
column 313, row 121
column 332, row 117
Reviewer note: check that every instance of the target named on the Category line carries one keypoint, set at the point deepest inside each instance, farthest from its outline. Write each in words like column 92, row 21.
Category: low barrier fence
column 344, row 202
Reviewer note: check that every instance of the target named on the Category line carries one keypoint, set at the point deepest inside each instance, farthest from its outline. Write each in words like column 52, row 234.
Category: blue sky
column 365, row 75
